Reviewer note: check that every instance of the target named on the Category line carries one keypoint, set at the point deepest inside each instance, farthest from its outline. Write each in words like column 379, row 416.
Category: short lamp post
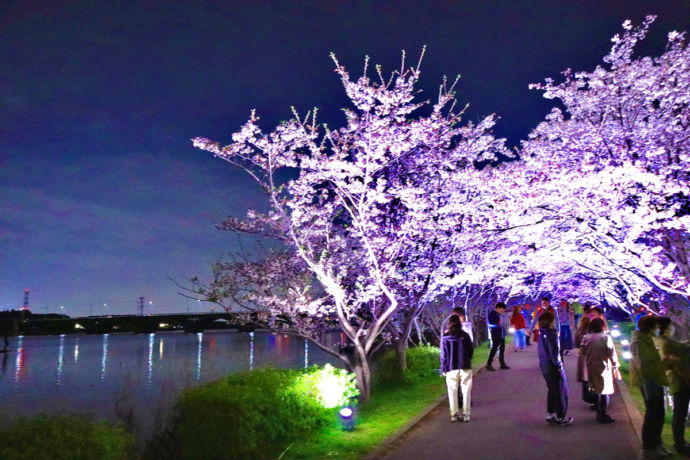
column 347, row 418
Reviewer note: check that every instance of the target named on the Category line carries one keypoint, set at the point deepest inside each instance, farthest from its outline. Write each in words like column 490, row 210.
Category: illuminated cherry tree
column 381, row 218
column 375, row 210
column 609, row 172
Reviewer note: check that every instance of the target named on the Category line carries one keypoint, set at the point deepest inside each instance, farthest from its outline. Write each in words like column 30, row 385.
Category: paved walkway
column 509, row 422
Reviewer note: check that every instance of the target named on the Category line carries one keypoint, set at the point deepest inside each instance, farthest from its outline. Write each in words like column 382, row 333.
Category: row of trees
column 372, row 225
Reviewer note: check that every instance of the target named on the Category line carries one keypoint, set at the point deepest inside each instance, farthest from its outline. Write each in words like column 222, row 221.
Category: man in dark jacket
column 497, row 335
column 456, row 366
column 649, row 374
column 551, row 367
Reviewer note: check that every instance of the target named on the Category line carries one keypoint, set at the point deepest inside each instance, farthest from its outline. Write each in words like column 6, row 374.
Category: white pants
column 463, row 379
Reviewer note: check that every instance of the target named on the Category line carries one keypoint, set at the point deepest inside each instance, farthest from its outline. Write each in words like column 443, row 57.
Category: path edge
column 384, row 445
column 634, row 415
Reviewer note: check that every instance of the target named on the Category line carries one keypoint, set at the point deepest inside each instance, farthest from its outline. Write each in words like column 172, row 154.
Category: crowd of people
column 658, row 361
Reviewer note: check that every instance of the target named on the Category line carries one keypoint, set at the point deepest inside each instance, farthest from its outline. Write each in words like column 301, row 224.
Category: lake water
column 135, row 377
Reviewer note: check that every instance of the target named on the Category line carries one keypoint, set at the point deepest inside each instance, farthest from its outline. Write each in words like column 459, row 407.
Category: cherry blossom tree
column 376, row 208
column 609, row 169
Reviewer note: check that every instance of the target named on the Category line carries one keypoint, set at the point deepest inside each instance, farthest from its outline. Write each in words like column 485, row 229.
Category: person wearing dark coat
column 497, row 335
column 676, row 356
column 649, row 373
column 551, row 366
column 581, row 375
column 456, row 366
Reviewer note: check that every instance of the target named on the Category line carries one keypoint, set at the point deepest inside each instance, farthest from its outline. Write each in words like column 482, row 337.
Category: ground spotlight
column 347, row 418
column 625, row 342
column 627, row 355
column 615, row 333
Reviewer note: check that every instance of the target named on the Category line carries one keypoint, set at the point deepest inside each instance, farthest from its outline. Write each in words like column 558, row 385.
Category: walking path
column 509, row 422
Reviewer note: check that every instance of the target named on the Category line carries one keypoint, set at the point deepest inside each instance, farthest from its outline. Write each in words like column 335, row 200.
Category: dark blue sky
column 101, row 192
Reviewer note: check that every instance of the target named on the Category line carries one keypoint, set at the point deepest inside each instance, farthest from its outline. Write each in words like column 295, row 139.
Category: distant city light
column 78, row 326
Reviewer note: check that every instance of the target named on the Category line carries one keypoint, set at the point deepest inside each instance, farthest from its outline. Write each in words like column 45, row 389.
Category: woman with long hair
column 456, row 367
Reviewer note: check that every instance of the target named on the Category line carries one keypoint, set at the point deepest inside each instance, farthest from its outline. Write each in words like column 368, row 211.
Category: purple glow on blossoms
column 386, row 216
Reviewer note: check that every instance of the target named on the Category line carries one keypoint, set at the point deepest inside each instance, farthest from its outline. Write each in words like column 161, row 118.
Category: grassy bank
column 390, row 408
column 65, row 438
column 267, row 413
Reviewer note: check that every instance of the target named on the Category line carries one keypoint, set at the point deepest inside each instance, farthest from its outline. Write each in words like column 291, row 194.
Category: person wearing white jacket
column 602, row 366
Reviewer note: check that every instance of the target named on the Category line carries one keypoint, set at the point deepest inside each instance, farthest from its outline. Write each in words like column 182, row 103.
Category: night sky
column 102, row 194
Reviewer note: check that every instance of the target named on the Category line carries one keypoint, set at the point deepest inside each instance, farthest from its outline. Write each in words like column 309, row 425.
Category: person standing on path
column 649, row 373
column 497, row 336
column 456, row 366
column 527, row 314
column 551, row 366
column 567, row 324
column 641, row 313
column 538, row 311
column 581, row 375
column 602, row 367
column 467, row 327
column 517, row 321
column 677, row 357
column 464, row 322
column 577, row 311
column 594, row 313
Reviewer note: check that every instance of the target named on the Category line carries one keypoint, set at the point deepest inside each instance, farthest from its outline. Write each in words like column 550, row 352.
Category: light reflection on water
column 104, row 356
column 106, row 375
column 61, row 354
column 199, row 348
column 19, row 362
column 149, row 369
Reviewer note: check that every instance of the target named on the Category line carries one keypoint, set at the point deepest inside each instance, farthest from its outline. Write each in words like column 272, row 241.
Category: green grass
column 47, row 437
column 389, row 409
column 667, row 434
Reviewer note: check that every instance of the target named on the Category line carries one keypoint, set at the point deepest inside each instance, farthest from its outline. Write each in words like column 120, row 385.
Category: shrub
column 65, row 438
column 422, row 361
column 253, row 414
column 329, row 386
column 386, row 371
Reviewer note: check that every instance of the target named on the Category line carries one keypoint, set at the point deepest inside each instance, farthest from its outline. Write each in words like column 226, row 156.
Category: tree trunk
column 401, row 353
column 362, row 370
column 420, row 336
column 401, row 345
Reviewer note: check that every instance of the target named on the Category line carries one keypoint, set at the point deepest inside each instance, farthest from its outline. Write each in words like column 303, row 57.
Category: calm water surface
column 134, row 377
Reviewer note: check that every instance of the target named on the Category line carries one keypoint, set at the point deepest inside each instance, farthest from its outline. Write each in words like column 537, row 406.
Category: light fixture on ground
column 347, row 418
